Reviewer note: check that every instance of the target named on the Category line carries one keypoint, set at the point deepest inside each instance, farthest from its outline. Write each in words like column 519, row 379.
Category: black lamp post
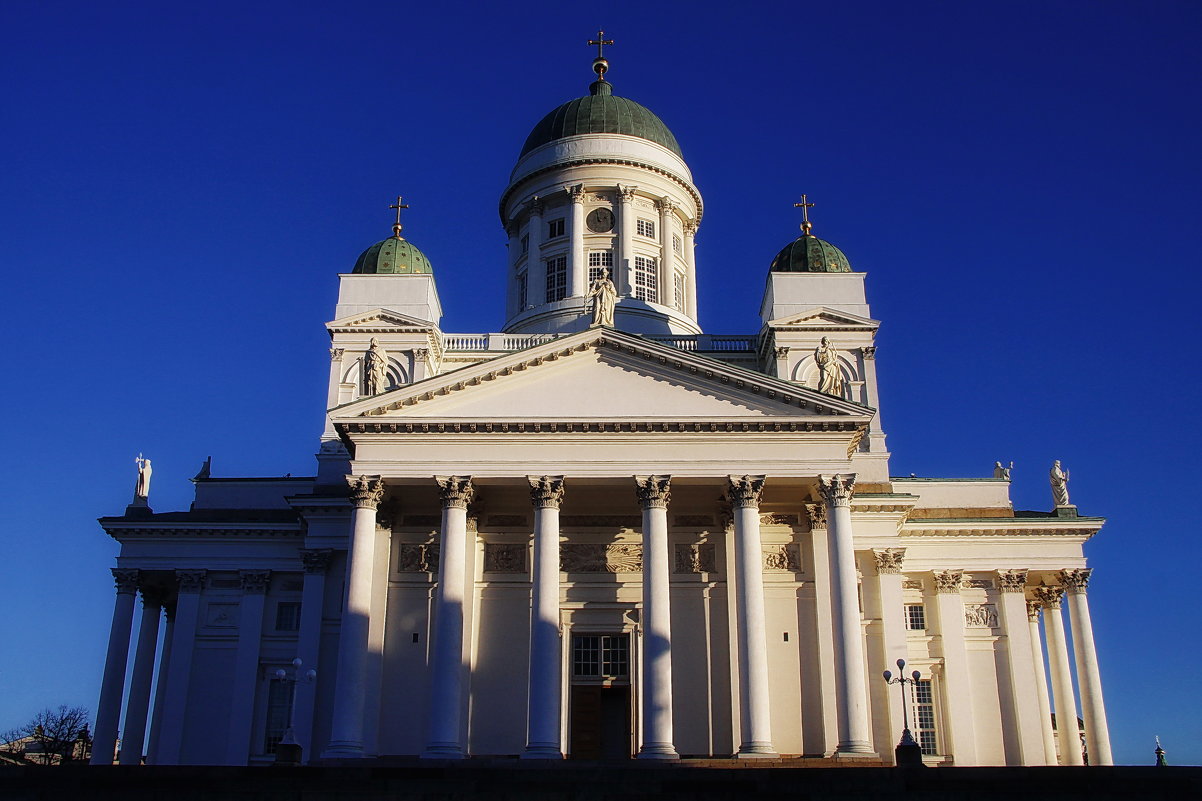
column 288, row 752
column 908, row 752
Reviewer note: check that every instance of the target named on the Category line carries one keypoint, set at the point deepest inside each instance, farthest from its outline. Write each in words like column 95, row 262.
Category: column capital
column 455, row 492
column 666, row 206
column 546, row 492
column 536, row 205
column 889, row 560
column 316, row 560
column 817, row 513
column 336, row 354
column 869, row 351
column 780, row 351
column 1012, row 580
column 1033, row 608
column 366, row 491
column 255, row 582
column 126, row 580
column 152, row 597
column 576, row 193
column 626, row 194
column 949, row 581
column 653, row 491
column 744, row 491
column 190, row 580
column 1049, row 597
column 690, row 227
column 1075, row 581
column 837, row 489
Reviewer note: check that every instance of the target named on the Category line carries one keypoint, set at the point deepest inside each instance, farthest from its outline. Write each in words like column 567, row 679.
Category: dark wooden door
column 600, row 722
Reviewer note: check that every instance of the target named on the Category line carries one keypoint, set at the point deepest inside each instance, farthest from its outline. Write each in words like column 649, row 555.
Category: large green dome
column 809, row 254
column 601, row 112
column 393, row 256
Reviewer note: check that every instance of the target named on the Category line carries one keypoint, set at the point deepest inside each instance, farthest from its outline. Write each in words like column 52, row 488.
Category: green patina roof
column 393, row 256
column 601, row 112
column 809, row 254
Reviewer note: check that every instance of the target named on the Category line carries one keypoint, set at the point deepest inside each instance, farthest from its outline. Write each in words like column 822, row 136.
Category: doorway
column 599, row 723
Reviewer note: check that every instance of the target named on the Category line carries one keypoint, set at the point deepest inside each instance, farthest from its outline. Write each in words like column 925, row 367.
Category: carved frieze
column 889, row 560
column 415, row 558
column 504, row 557
column 601, row 558
column 695, row 558
column 978, row 584
column 778, row 519
column 782, row 557
column 912, row 584
column 221, row 616
column 980, row 616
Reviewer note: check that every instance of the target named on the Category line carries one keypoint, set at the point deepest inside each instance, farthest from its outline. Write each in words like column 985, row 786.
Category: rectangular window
column 287, row 616
column 557, row 278
column 599, row 260
column 279, row 701
column 678, row 291
column 924, row 716
column 916, row 617
column 645, row 228
column 601, row 656
column 522, row 290
column 525, row 244
column 646, row 279
column 676, row 246
column 555, row 228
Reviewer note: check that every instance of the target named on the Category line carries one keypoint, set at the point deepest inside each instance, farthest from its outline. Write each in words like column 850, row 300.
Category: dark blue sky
column 1020, row 180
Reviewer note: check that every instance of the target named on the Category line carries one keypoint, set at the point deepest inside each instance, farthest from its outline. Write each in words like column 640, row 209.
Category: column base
column 547, row 751
column 658, row 751
column 343, row 749
column 757, row 750
column 855, row 748
column 443, row 751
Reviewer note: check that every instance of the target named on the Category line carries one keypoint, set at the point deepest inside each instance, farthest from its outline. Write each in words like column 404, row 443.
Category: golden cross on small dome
column 805, row 207
column 396, row 227
column 600, row 65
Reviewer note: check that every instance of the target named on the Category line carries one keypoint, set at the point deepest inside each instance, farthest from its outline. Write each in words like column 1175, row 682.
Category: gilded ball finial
column 600, row 64
column 396, row 226
column 805, row 207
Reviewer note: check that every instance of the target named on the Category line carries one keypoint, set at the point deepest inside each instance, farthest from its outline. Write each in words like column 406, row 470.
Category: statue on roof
column 830, row 377
column 1059, row 479
column 375, row 369
column 603, row 296
column 1001, row 471
column 142, row 487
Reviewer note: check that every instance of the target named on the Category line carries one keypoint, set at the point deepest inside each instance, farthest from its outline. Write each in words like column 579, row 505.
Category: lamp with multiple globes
column 908, row 752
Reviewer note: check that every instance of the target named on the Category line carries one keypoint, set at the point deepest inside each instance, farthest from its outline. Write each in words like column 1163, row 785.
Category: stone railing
column 503, row 343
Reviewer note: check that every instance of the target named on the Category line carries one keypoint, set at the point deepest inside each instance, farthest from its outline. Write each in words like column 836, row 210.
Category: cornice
column 997, row 527
column 690, row 426
column 206, row 530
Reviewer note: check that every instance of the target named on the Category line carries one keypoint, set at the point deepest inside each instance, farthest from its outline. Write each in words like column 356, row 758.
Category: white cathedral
column 600, row 532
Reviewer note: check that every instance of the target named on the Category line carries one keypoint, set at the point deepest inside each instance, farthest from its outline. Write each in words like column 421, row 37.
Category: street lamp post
column 288, row 752
column 908, row 752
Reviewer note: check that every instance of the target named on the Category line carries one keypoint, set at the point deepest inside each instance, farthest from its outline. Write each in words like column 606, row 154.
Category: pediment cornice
column 824, row 318
column 381, row 321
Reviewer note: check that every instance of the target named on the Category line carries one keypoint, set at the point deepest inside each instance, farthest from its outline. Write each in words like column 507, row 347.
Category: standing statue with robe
column 603, row 296
column 375, row 369
column 142, row 487
column 1059, row 479
column 830, row 377
column 1001, row 471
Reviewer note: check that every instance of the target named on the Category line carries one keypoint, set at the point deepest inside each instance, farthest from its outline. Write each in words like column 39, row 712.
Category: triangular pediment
column 601, row 374
column 823, row 317
column 378, row 321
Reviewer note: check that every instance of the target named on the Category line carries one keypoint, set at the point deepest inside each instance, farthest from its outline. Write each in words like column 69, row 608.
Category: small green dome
column 809, row 254
column 393, row 256
column 601, row 112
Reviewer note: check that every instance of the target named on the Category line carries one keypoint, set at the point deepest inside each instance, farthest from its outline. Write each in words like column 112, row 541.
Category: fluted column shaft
column 656, row 675
column 446, row 663
column 1047, row 734
column 755, row 708
column 112, row 685
column 851, row 672
column 246, row 665
column 1089, row 678
column 350, row 687
column 179, row 678
column 138, row 705
column 543, row 721
column 1067, row 734
column 308, row 645
column 577, row 271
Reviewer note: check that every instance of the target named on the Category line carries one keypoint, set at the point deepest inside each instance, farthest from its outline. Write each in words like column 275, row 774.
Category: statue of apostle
column 1001, row 471
column 603, row 295
column 830, row 378
column 1059, row 479
column 142, row 488
column 375, row 369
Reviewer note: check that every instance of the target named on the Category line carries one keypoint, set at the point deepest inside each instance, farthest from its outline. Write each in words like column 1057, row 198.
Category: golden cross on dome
column 396, row 227
column 600, row 42
column 805, row 207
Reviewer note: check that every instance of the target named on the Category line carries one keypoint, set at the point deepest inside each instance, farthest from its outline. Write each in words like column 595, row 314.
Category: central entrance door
column 599, row 726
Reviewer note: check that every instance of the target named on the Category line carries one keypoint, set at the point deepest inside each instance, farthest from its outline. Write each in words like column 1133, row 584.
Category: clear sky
column 183, row 182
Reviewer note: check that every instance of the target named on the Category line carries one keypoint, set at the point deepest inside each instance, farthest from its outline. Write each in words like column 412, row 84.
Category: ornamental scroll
column 601, row 558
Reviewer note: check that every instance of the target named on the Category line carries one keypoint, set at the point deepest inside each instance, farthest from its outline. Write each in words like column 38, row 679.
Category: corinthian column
column 624, row 265
column 1041, row 686
column 667, row 268
column 1067, row 733
column 755, row 709
column 656, row 675
column 350, row 688
column 851, row 674
column 576, row 265
column 446, row 662
column 1025, row 734
column 108, row 710
column 890, row 642
column 544, row 697
column 1089, row 680
column 949, row 613
column 179, row 667
column 690, row 262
